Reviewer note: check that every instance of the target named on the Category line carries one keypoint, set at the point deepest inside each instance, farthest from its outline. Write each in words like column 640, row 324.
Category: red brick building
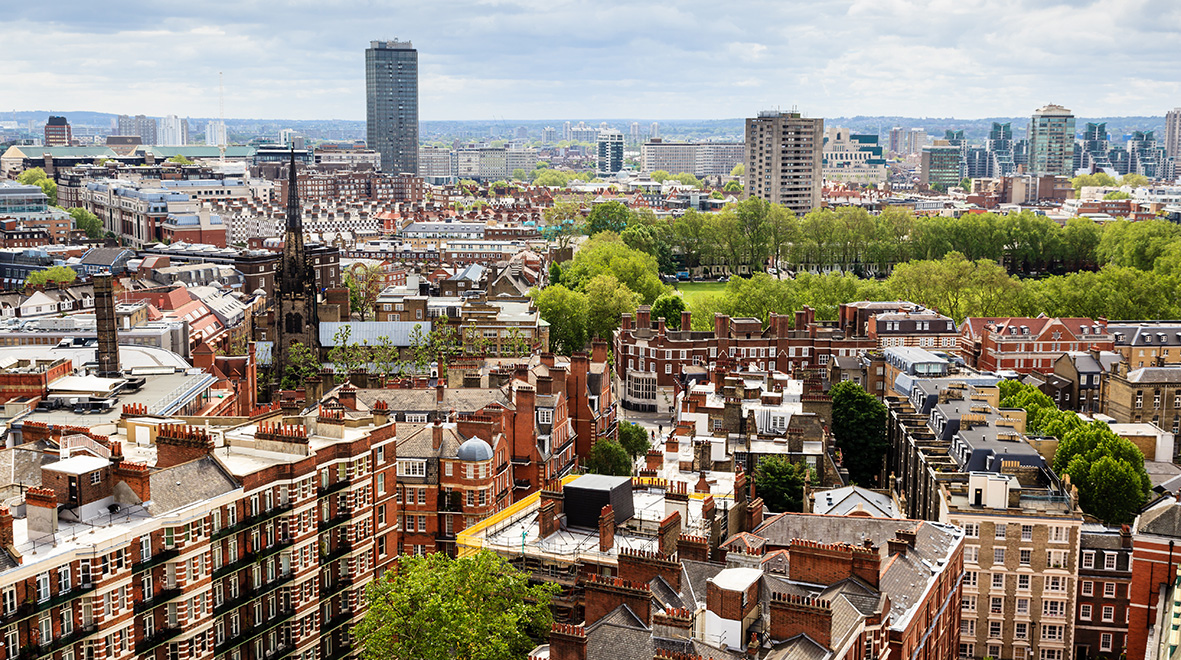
column 1155, row 558
column 1027, row 344
column 1104, row 593
column 653, row 361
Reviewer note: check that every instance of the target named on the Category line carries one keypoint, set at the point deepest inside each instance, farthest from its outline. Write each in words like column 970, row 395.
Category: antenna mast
column 221, row 107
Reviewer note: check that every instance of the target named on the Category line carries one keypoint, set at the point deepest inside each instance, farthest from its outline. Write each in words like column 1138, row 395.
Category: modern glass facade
column 391, row 92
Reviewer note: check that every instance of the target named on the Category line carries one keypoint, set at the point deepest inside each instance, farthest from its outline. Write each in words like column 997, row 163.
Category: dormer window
column 545, row 416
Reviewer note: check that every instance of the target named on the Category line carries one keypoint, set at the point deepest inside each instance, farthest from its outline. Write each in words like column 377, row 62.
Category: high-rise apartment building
column 654, row 130
column 610, row 150
column 1051, row 141
column 784, row 156
column 916, row 139
column 1173, row 134
column 897, row 139
column 549, row 135
column 391, row 91
column 174, row 131
column 57, row 132
column 144, row 127
column 215, row 133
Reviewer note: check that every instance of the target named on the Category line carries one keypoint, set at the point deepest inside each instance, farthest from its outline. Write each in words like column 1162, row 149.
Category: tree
column 659, row 176
column 87, row 222
column 61, row 275
column 966, row 184
column 669, row 306
column 566, row 312
column 434, row 607
column 634, row 439
column 1134, row 180
column 608, row 216
column 345, row 357
column 1107, row 469
column 859, row 426
column 738, row 170
column 519, row 174
column 781, row 484
column 36, row 176
column 606, row 253
column 606, row 301
column 608, row 457
column 555, row 273
column 563, row 221
column 733, row 186
column 180, row 160
column 304, row 364
column 365, row 282
column 1100, row 180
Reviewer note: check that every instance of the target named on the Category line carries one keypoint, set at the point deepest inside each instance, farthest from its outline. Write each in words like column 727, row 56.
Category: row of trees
column 960, row 288
column 1107, row 469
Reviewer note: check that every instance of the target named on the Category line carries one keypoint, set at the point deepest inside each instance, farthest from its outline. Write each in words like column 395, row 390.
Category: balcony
column 334, row 521
column 337, row 621
column 250, row 593
column 156, row 639
column 324, row 491
column 164, row 596
column 335, row 588
column 156, row 560
column 342, row 549
column 252, row 558
column 247, row 523
column 250, row 632
column 337, row 654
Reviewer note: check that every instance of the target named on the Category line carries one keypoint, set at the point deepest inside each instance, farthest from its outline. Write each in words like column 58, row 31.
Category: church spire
column 295, row 271
column 294, row 218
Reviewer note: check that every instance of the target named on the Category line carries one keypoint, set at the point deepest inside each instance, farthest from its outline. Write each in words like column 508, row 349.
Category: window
column 972, row 554
column 1057, row 558
column 994, row 629
column 1027, row 532
column 1084, row 612
column 545, row 416
column 1054, row 608
column 1109, row 561
column 1055, row 583
column 381, row 484
column 998, row 580
column 1105, row 642
column 1089, row 559
column 1000, row 531
column 1020, row 631
column 972, row 530
column 970, row 578
column 1052, row 633
column 998, row 556
column 1023, row 583
column 1088, row 588
column 407, row 468
column 95, row 478
column 1059, row 534
column 43, row 586
column 968, row 603
column 967, row 650
column 1026, row 556
column 63, row 579
column 1108, row 613
column 9, row 600
column 1023, row 606
column 967, row 628
column 996, row 605
column 1109, row 590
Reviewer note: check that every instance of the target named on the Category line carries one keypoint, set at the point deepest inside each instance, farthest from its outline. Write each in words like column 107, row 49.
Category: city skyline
column 523, row 61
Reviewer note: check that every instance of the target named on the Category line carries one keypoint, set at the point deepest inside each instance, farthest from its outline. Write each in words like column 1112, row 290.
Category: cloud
column 565, row 59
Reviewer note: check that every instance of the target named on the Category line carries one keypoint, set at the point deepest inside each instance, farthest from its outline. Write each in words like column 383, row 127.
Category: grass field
column 692, row 290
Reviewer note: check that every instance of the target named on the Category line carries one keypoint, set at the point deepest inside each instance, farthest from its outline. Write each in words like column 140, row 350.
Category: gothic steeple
column 295, row 268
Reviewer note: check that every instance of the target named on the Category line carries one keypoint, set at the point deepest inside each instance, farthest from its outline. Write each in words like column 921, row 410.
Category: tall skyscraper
column 215, row 133
column 174, row 131
column 549, row 135
column 1051, row 141
column 1173, row 134
column 391, row 113
column 144, row 127
column 654, row 130
column 784, row 157
column 610, row 148
column 897, row 139
column 635, row 132
column 57, row 132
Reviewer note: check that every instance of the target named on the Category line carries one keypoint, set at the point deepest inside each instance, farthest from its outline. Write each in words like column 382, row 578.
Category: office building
column 391, row 113
column 939, row 166
column 1173, row 134
column 610, row 152
column 853, row 158
column 144, row 127
column 215, row 133
column 1051, row 141
column 57, row 132
column 784, row 154
column 174, row 131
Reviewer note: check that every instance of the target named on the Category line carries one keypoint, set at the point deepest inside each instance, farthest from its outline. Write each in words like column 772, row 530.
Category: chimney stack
column 107, row 324
column 436, row 435
column 606, row 529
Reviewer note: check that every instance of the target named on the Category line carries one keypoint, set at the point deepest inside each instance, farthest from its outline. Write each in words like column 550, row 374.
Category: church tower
column 296, row 316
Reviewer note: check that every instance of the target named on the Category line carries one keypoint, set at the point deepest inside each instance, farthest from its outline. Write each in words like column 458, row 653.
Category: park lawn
column 694, row 290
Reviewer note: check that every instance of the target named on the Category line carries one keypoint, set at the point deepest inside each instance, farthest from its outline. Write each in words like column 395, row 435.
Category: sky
column 600, row 59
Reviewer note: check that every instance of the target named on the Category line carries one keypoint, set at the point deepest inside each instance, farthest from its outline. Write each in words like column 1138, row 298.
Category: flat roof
column 81, row 464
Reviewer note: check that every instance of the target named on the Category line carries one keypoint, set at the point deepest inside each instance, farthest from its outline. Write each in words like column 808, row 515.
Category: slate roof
column 1162, row 518
column 188, row 483
column 417, row 441
column 1155, row 375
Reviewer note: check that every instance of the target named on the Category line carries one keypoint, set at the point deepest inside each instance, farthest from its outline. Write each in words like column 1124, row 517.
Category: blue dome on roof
column 474, row 450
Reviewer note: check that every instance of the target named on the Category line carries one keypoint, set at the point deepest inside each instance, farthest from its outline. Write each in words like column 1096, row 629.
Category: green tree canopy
column 781, row 484
column 1134, row 180
column 733, row 186
column 56, row 274
column 634, row 439
column 87, row 222
column 1107, row 469
column 1117, row 194
column 669, row 305
column 566, row 312
column 859, row 426
column 738, row 170
column 303, row 364
column 610, row 458
column 608, row 216
column 438, row 608
column 606, row 253
column 607, row 299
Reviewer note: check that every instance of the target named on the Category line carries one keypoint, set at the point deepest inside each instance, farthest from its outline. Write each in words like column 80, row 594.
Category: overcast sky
column 539, row 59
